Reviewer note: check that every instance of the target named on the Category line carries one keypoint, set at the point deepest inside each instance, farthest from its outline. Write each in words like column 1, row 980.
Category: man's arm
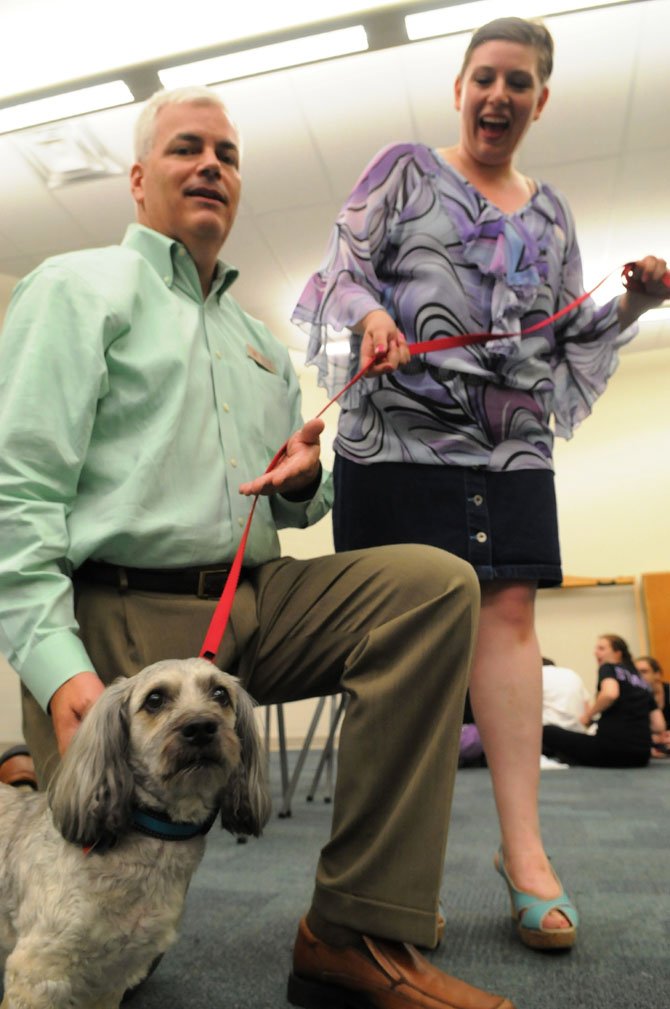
column 52, row 371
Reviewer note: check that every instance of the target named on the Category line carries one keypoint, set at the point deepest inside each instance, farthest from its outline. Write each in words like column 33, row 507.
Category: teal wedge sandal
column 528, row 912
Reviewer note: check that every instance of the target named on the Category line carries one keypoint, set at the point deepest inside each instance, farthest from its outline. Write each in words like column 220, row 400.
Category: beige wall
column 613, row 487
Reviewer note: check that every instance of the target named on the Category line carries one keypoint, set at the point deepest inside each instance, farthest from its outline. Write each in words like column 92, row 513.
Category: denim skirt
column 505, row 524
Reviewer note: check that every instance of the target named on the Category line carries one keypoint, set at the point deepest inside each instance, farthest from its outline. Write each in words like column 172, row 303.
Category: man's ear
column 137, row 183
column 457, row 93
column 541, row 102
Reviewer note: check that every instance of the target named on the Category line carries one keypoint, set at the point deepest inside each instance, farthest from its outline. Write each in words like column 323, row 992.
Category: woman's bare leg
column 506, row 694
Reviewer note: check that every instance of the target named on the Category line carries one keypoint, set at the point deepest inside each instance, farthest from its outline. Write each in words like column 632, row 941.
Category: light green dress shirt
column 131, row 409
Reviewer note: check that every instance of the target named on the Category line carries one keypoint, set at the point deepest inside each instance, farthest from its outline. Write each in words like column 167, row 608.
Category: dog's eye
column 154, row 701
column 221, row 695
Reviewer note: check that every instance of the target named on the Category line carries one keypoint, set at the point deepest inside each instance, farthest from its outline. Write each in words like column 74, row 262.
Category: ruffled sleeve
column 587, row 339
column 348, row 284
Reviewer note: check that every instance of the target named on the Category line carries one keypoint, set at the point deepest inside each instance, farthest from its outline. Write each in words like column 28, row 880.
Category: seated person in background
column 17, row 768
column 628, row 715
column 651, row 672
column 471, row 749
column 564, row 697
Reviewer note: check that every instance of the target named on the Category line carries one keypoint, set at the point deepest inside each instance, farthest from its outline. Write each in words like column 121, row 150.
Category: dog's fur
column 79, row 928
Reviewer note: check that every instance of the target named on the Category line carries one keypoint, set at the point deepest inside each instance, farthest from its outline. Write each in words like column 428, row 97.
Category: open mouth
column 205, row 193
column 493, row 126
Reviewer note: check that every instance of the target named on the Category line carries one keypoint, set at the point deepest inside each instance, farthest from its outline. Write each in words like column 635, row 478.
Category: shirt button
column 226, row 408
column 181, row 251
column 233, row 463
column 167, row 279
column 240, row 522
column 481, row 537
column 478, row 500
column 217, row 354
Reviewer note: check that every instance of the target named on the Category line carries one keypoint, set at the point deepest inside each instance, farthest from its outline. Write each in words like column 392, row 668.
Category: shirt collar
column 172, row 261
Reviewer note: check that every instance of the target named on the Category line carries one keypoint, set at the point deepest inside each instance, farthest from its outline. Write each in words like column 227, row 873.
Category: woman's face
column 646, row 672
column 605, row 653
column 499, row 95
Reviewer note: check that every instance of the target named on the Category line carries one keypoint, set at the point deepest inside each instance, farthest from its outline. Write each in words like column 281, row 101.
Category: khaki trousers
column 395, row 628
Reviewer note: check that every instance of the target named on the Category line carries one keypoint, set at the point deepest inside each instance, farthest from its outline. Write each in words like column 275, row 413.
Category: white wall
column 613, row 486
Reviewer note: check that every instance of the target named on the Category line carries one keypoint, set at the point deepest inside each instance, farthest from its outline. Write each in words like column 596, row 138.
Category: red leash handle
column 632, row 282
column 215, row 632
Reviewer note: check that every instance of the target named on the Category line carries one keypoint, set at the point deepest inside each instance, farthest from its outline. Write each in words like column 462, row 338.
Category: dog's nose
column 199, row 732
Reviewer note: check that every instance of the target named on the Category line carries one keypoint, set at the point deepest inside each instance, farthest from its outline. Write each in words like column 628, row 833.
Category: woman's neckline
column 464, row 179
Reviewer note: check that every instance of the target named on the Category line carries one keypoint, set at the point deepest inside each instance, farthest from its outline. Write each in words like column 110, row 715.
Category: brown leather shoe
column 17, row 768
column 391, row 975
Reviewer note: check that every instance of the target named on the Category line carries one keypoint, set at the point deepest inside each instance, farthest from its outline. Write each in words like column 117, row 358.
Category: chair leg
column 327, row 754
column 300, row 763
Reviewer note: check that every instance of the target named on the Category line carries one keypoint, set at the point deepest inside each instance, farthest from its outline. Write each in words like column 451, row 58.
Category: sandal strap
column 531, row 910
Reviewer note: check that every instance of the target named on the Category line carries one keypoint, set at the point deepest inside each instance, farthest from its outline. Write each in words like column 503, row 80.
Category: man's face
column 188, row 186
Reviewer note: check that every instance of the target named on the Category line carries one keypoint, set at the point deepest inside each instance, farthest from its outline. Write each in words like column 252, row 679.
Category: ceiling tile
column 353, row 107
column 31, row 219
column 430, row 69
column 648, row 124
column 589, row 88
column 102, row 208
column 298, row 238
column 280, row 166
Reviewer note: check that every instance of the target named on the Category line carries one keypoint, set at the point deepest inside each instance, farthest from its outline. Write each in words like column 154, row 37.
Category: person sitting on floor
column 651, row 672
column 628, row 715
column 564, row 697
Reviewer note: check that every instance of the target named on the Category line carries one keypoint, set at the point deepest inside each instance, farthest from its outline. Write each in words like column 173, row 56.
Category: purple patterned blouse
column 417, row 239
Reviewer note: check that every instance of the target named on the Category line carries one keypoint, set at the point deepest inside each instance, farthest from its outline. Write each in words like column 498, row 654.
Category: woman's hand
column 651, row 274
column 382, row 343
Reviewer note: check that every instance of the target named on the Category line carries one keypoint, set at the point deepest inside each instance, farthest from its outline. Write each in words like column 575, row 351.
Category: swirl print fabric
column 418, row 240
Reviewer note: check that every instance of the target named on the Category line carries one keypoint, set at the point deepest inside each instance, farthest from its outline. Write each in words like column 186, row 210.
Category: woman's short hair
column 526, row 33
column 145, row 126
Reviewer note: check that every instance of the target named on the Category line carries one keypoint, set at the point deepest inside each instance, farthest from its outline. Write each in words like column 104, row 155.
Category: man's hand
column 382, row 339
column 70, row 703
column 298, row 467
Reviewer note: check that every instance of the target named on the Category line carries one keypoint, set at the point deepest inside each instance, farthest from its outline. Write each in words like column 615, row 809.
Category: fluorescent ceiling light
column 72, row 103
column 45, row 42
column 466, row 16
column 256, row 61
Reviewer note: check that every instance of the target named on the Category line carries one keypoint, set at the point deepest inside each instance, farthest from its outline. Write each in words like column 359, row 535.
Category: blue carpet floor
column 607, row 830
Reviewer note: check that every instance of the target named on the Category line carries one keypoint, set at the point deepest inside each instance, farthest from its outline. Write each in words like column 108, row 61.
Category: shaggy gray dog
column 93, row 875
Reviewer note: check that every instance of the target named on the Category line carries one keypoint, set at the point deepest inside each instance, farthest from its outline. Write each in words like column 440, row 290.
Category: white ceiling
column 604, row 139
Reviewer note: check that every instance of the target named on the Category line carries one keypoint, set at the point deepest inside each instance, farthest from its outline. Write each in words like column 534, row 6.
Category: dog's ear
column 91, row 792
column 245, row 804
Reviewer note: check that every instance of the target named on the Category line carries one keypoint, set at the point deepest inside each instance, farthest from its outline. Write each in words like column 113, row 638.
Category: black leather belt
column 205, row 582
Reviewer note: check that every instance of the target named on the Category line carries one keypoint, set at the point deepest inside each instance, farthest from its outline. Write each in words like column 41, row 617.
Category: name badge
column 261, row 359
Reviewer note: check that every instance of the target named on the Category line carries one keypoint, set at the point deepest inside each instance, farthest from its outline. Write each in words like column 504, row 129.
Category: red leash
column 219, row 620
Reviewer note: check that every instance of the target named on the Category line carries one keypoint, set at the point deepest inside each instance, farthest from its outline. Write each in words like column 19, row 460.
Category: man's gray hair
column 145, row 127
